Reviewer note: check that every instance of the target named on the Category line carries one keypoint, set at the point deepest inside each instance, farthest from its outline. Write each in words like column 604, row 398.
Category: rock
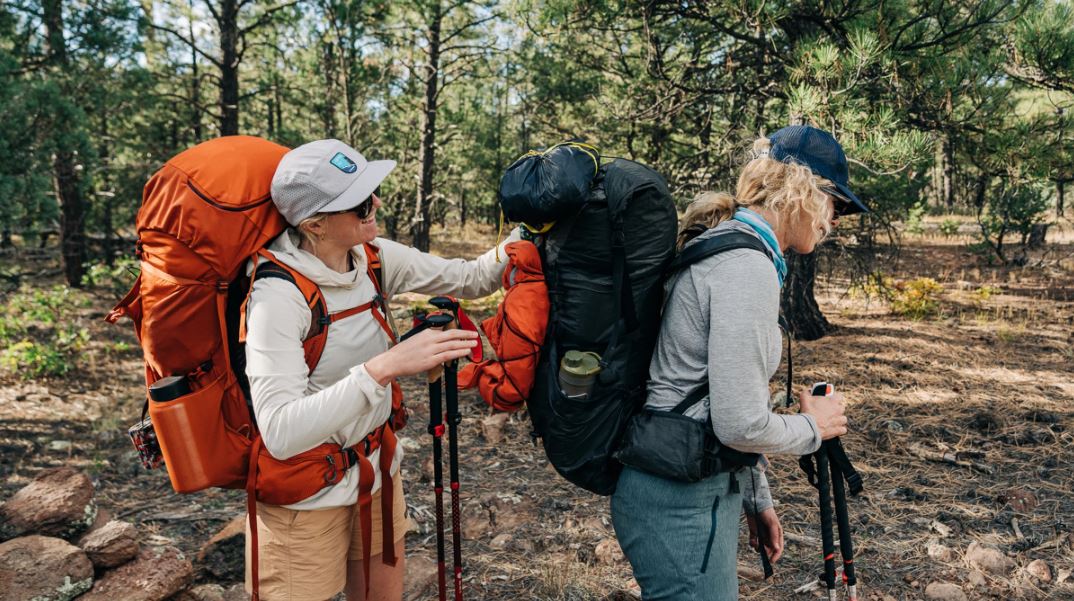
column 492, row 427
column 940, row 552
column 1039, row 569
column 419, row 581
column 223, row 556
column 202, row 592
column 59, row 502
column 500, row 541
column 156, row 574
column 475, row 526
column 988, row 559
column 43, row 568
column 977, row 579
column 111, row 545
column 60, row 446
column 944, row 591
column 608, row 552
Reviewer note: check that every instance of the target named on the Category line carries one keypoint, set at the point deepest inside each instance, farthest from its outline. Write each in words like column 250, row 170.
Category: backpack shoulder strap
column 714, row 246
column 313, row 342
column 374, row 266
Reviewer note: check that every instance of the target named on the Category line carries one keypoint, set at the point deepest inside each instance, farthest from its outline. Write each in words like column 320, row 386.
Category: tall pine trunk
column 800, row 307
column 229, row 68
column 419, row 227
column 67, row 176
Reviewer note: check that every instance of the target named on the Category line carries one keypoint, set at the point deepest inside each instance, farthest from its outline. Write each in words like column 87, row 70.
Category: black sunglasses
column 362, row 209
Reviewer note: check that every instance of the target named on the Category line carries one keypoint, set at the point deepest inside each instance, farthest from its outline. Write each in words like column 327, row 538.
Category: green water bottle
column 577, row 372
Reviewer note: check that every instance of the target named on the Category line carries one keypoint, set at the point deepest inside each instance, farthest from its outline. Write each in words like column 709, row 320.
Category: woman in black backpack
column 719, row 345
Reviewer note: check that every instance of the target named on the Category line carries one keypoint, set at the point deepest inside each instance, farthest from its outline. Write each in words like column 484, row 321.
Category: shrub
column 916, row 299
column 40, row 331
column 116, row 278
column 949, row 227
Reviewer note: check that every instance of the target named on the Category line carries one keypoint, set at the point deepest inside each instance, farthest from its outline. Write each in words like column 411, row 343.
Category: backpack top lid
column 541, row 187
column 209, row 208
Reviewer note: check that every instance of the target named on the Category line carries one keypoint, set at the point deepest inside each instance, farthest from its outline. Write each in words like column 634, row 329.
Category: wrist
column 380, row 368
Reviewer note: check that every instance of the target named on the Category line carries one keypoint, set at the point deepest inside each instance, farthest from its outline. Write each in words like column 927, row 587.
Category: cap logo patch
column 341, row 162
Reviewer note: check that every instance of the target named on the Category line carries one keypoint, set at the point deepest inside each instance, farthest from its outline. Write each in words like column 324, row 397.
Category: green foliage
column 915, row 219
column 40, row 331
column 916, row 299
column 949, row 227
column 114, row 279
column 1011, row 209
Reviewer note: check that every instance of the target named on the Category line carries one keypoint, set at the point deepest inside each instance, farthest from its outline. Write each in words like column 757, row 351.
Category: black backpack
column 604, row 265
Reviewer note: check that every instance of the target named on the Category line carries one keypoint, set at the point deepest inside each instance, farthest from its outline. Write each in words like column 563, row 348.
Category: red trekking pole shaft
column 436, row 428
column 453, row 419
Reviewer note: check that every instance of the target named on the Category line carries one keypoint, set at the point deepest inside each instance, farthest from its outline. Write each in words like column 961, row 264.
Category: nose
column 376, row 201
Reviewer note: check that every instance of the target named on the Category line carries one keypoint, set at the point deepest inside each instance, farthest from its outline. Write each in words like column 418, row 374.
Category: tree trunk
column 1060, row 196
column 948, row 173
column 229, row 67
column 800, row 307
column 195, row 85
column 67, row 180
column 419, row 228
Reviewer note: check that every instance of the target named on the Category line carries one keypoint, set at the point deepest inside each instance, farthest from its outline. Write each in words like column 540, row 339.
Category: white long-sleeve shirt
column 339, row 401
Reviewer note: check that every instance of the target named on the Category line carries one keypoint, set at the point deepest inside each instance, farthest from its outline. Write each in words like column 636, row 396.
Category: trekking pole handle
column 822, row 389
column 435, row 320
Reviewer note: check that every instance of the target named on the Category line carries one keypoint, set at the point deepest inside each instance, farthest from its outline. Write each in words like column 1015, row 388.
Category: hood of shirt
column 285, row 248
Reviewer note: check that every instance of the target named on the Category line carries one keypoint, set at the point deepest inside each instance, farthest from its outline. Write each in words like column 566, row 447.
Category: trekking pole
column 818, row 471
column 436, row 428
column 846, row 543
column 827, row 469
column 453, row 419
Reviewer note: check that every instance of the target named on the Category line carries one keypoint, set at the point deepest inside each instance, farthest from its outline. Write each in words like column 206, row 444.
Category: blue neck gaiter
column 764, row 230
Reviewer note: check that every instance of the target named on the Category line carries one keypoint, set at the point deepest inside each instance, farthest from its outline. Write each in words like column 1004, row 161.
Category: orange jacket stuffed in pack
column 516, row 333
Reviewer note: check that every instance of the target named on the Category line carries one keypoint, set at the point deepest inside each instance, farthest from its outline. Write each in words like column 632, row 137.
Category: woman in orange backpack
column 315, row 548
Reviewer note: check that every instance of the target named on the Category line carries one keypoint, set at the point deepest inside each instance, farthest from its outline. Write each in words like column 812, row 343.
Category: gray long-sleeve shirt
column 720, row 325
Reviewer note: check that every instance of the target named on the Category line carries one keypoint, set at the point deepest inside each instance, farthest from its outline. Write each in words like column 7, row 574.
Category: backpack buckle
column 334, row 474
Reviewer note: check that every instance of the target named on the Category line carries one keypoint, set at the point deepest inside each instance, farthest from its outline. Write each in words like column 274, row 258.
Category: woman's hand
column 827, row 411
column 773, row 533
column 420, row 353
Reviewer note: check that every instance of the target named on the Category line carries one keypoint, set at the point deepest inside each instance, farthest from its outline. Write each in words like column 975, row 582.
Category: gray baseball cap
column 322, row 177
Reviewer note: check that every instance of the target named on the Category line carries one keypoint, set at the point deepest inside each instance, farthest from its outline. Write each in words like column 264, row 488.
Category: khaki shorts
column 304, row 554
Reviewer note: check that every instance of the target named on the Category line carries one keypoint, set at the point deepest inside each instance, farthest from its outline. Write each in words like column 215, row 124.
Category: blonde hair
column 303, row 228
column 786, row 189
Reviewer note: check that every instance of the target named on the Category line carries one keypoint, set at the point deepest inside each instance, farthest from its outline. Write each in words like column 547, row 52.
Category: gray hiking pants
column 681, row 539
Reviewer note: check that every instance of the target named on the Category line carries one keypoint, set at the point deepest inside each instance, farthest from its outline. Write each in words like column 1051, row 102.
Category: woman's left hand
column 769, row 521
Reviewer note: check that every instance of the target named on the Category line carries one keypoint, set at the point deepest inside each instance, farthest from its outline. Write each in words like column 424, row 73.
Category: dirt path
column 989, row 376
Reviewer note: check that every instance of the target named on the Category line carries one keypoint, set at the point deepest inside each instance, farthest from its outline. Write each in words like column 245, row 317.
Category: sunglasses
column 362, row 209
column 842, row 205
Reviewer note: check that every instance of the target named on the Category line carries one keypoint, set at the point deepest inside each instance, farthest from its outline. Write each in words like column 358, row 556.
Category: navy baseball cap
column 819, row 151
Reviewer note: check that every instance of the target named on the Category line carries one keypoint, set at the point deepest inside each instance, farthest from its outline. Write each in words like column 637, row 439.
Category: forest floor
column 982, row 369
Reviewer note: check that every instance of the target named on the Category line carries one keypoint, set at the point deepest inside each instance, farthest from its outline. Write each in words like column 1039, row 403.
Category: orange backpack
column 515, row 333
column 204, row 215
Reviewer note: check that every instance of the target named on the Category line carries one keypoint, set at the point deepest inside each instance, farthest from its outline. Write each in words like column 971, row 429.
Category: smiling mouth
column 369, row 219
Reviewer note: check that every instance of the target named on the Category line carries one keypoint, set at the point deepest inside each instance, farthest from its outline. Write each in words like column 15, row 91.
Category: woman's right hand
column 420, row 353
column 827, row 411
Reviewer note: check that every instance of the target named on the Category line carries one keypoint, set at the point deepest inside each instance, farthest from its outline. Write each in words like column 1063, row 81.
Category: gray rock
column 944, row 591
column 988, row 559
column 43, row 568
column 113, row 544
column 59, row 502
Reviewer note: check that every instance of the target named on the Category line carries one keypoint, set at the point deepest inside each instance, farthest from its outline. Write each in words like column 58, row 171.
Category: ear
column 313, row 228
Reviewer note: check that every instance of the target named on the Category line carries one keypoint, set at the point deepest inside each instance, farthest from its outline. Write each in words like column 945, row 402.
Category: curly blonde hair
column 786, row 189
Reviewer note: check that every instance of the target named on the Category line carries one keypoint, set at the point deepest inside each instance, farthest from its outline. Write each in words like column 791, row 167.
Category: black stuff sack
column 541, row 187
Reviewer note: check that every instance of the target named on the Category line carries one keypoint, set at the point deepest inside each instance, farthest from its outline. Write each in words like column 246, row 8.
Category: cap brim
column 367, row 181
column 852, row 203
